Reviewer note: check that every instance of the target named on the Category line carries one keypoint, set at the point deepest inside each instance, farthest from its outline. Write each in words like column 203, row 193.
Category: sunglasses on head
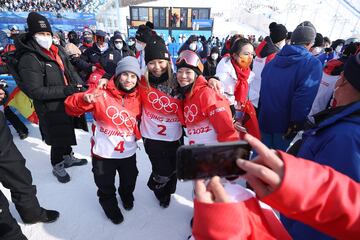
column 191, row 59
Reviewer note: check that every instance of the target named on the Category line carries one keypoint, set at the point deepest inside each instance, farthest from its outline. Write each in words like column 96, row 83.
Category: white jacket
column 227, row 75
column 324, row 93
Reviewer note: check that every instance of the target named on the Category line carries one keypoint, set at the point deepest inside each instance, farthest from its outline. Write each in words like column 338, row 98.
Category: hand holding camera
column 264, row 173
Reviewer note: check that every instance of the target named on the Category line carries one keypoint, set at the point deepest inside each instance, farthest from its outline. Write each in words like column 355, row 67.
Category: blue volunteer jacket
column 334, row 142
column 289, row 84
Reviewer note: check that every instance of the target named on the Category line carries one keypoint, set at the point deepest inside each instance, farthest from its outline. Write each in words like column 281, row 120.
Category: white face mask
column 103, row 48
column 43, row 41
column 338, row 49
column 281, row 44
column 214, row 56
column 56, row 41
column 316, row 51
column 193, row 46
column 130, row 43
column 139, row 47
column 119, row 45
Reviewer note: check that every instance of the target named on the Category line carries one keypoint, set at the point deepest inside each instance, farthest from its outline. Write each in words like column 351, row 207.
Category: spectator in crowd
column 289, row 84
column 48, row 91
column 192, row 44
column 89, row 60
column 74, row 38
column 234, row 73
column 143, row 35
column 119, row 155
column 331, row 74
column 333, row 139
column 327, row 42
column 265, row 52
column 211, row 62
column 88, row 39
column 337, row 46
column 15, row 121
column 17, row 178
column 271, row 174
column 132, row 46
column 318, row 46
column 113, row 55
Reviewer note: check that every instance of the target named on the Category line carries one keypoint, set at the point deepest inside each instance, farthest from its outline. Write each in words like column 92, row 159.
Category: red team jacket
column 160, row 114
column 324, row 199
column 115, row 128
column 207, row 115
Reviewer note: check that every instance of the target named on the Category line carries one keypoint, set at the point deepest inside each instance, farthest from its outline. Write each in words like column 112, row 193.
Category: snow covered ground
column 81, row 217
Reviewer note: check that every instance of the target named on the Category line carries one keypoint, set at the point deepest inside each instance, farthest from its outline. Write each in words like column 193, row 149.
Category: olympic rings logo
column 163, row 102
column 120, row 117
column 190, row 112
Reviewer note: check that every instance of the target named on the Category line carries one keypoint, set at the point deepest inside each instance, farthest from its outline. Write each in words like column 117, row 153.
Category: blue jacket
column 334, row 142
column 289, row 84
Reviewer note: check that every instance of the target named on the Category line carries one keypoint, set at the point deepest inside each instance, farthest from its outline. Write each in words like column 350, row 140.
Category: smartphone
column 201, row 161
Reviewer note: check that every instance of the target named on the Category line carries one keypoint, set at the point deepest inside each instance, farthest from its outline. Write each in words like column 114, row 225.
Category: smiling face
column 127, row 80
column 158, row 67
column 185, row 76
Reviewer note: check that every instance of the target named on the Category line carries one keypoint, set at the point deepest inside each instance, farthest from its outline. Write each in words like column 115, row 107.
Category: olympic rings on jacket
column 190, row 113
column 120, row 117
column 163, row 102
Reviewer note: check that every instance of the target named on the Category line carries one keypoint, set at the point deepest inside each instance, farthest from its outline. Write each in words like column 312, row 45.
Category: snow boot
column 70, row 161
column 112, row 210
column 60, row 173
column 46, row 216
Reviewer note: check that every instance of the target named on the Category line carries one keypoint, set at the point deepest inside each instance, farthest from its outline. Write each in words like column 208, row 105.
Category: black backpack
column 12, row 61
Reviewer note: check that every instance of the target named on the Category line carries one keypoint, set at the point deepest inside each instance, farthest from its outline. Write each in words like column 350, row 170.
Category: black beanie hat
column 149, row 24
column 156, row 49
column 192, row 38
column 215, row 49
column 37, row 23
column 319, row 40
column 143, row 34
column 352, row 71
column 278, row 32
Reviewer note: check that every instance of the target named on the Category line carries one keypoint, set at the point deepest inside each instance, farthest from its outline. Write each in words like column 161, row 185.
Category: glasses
column 190, row 58
column 117, row 42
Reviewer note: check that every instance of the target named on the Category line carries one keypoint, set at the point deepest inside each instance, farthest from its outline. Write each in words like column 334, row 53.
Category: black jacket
column 43, row 81
column 111, row 57
column 210, row 66
column 5, row 135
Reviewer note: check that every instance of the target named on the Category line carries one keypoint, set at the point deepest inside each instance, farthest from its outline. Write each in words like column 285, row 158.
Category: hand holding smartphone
column 201, row 161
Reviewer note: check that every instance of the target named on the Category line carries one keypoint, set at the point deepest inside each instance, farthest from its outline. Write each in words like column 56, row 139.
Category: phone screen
column 205, row 161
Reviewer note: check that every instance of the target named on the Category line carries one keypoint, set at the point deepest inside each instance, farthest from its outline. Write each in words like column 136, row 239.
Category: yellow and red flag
column 23, row 104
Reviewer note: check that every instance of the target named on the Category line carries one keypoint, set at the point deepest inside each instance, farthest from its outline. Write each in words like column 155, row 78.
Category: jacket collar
column 116, row 92
column 331, row 116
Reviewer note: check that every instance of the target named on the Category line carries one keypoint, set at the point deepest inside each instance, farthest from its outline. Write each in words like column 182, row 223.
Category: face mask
column 193, row 46
column 131, row 43
column 338, row 49
column 245, row 61
column 316, row 51
column 281, row 44
column 139, row 47
column 119, row 46
column 88, row 40
column 56, row 41
column 214, row 56
column 103, row 48
column 43, row 41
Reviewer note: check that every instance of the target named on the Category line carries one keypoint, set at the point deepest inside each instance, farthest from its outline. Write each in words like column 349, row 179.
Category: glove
column 71, row 89
column 292, row 131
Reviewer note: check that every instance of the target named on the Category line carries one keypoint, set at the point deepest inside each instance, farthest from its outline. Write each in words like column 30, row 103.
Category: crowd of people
column 45, row 5
column 293, row 91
